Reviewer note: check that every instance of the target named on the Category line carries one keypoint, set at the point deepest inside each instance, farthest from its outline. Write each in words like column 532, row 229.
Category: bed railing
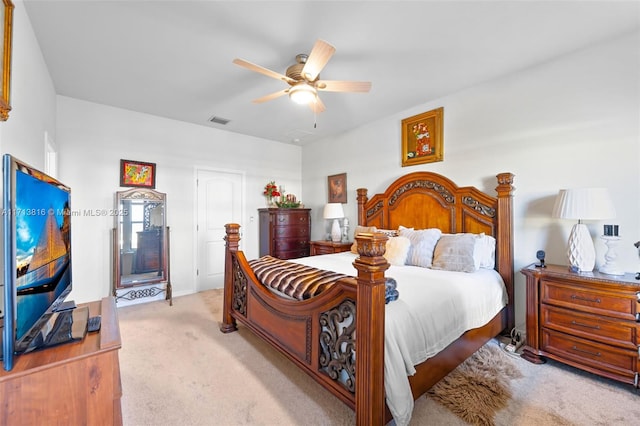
column 368, row 397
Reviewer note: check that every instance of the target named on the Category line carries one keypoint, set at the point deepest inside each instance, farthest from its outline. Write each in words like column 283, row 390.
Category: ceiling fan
column 303, row 78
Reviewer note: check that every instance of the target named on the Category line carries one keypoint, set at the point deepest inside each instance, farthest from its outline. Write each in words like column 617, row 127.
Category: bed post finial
column 362, row 200
column 504, row 232
column 370, row 307
column 232, row 240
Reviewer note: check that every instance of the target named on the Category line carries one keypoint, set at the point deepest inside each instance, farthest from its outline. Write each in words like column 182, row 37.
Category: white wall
column 572, row 122
column 33, row 97
column 92, row 139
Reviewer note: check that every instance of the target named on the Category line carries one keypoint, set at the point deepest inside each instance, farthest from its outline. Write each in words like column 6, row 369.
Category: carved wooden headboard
column 424, row 200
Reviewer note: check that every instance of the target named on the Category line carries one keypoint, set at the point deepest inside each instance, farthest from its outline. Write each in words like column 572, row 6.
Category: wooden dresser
column 588, row 320
column 329, row 247
column 75, row 383
column 149, row 252
column 284, row 233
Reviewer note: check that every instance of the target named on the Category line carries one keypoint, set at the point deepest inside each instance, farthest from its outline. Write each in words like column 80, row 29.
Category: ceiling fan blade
column 317, row 106
column 318, row 58
column 343, row 86
column 271, row 96
column 262, row 70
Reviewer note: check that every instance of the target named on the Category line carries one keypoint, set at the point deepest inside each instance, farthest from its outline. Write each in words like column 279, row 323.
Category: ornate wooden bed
column 421, row 200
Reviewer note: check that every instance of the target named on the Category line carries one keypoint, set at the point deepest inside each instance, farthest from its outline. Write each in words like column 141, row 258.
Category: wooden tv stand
column 74, row 383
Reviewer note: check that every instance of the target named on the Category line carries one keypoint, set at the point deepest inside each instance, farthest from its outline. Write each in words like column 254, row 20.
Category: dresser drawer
column 289, row 244
column 617, row 363
column 587, row 299
column 619, row 333
column 291, row 218
column 292, row 254
column 291, row 232
column 323, row 249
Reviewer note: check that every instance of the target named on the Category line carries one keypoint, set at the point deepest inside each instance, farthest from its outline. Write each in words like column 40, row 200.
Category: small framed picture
column 337, row 188
column 422, row 138
column 137, row 174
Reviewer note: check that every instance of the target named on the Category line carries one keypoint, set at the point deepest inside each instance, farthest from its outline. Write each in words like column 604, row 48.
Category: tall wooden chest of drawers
column 285, row 233
column 588, row 320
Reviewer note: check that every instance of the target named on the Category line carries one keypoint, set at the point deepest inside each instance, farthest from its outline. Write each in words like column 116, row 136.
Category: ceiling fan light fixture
column 303, row 93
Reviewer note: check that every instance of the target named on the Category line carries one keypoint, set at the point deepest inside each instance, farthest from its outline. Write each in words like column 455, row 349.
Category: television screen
column 37, row 251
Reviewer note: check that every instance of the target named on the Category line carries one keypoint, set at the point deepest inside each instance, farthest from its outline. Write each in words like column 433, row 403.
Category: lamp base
column 336, row 233
column 581, row 252
column 610, row 266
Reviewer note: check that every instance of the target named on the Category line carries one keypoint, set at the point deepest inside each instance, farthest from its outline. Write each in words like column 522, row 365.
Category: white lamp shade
column 333, row 211
column 584, row 204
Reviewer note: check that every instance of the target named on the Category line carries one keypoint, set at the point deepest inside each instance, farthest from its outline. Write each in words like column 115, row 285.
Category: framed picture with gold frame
column 337, row 188
column 6, row 20
column 422, row 138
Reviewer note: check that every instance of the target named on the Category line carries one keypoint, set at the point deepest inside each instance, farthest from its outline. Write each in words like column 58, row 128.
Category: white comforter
column 434, row 308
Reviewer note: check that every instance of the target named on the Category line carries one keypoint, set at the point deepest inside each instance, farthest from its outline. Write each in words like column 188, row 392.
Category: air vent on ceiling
column 218, row 120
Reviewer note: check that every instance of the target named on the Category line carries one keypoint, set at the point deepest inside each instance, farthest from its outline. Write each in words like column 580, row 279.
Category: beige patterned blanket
column 297, row 281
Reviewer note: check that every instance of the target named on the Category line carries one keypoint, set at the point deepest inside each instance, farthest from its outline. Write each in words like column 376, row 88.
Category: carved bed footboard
column 318, row 334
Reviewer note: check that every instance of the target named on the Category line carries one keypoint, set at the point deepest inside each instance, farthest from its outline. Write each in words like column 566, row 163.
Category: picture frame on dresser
column 6, row 20
column 422, row 139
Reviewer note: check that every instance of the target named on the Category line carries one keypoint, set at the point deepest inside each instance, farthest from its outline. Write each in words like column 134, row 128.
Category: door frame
column 243, row 210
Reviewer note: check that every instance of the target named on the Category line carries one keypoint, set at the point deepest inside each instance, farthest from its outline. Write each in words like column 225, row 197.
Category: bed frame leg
column 232, row 239
column 504, row 232
column 370, row 307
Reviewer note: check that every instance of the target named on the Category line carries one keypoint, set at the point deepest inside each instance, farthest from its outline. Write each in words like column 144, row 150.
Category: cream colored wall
column 571, row 122
column 92, row 140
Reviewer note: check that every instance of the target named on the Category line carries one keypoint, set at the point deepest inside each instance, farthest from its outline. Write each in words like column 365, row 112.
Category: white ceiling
column 173, row 58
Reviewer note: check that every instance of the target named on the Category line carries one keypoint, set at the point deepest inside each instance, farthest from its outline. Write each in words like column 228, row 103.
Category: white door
column 219, row 202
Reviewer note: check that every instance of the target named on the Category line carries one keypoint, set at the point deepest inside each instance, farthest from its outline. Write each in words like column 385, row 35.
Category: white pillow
column 484, row 250
column 396, row 250
column 455, row 252
column 423, row 242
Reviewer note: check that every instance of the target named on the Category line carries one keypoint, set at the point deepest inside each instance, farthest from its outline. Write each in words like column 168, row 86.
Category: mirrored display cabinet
column 141, row 246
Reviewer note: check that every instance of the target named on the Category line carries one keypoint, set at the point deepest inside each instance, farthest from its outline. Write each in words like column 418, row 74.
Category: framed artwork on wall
column 422, row 138
column 6, row 20
column 137, row 174
column 337, row 185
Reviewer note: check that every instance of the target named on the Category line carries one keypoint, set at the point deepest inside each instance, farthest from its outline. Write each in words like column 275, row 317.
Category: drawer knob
column 595, row 327
column 638, row 296
column 575, row 348
column 638, row 317
column 585, row 299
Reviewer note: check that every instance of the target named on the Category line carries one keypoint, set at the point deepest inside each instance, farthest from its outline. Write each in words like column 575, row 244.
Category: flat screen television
column 37, row 253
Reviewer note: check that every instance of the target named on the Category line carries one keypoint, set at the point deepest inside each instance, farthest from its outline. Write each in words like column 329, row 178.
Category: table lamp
column 582, row 204
column 334, row 211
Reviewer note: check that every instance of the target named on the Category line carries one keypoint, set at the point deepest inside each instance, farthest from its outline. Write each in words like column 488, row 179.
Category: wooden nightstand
column 588, row 320
column 329, row 247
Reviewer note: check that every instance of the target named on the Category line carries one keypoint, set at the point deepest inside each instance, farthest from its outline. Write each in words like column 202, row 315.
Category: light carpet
column 178, row 368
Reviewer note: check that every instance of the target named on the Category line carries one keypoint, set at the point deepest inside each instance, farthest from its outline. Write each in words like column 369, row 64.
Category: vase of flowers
column 271, row 194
